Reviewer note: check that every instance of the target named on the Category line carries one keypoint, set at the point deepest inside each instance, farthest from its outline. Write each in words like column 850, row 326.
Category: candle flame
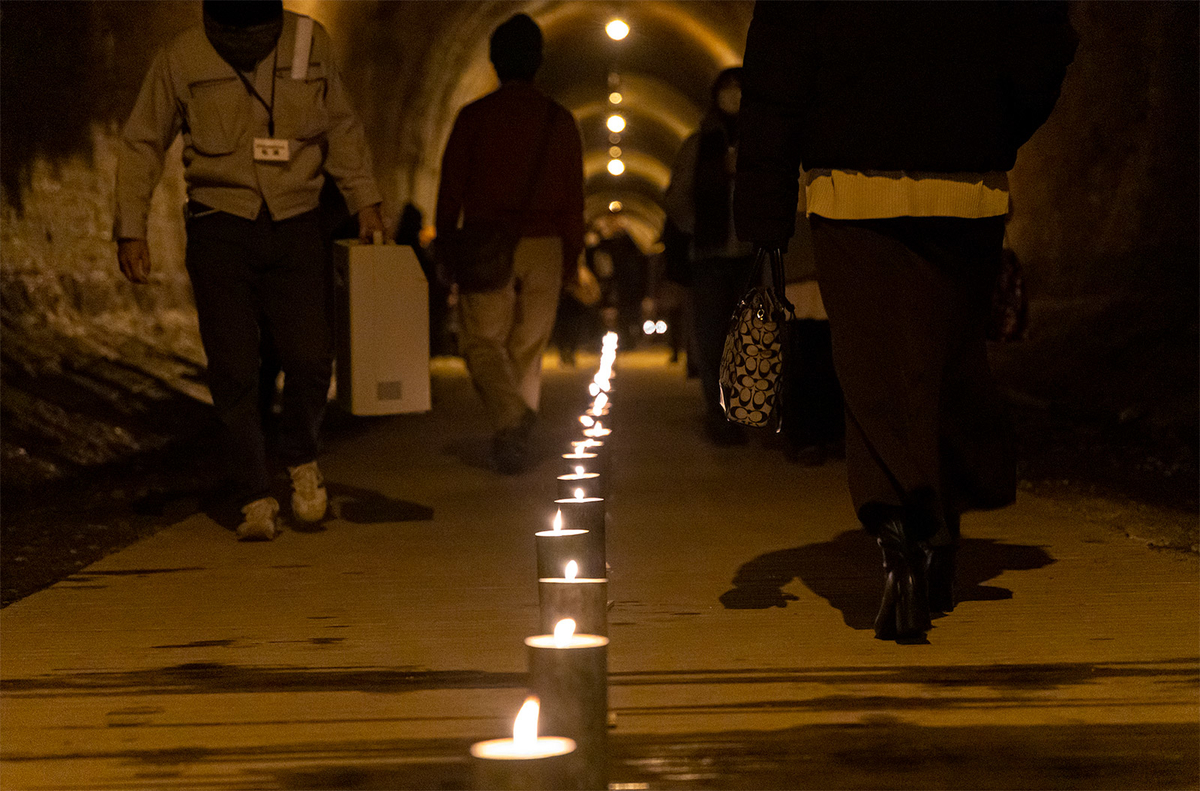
column 558, row 521
column 587, row 421
column 578, row 470
column 564, row 630
column 572, row 570
column 525, row 728
column 579, row 494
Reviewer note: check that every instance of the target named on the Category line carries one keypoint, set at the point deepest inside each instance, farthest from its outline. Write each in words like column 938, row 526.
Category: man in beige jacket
column 264, row 117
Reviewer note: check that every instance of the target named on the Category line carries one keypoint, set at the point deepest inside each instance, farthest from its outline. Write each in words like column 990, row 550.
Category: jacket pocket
column 300, row 112
column 216, row 115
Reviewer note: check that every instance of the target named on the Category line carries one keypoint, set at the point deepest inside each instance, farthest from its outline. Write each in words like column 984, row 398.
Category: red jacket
column 492, row 154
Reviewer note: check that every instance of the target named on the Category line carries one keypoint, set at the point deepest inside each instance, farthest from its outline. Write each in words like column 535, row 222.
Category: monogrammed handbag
column 752, row 363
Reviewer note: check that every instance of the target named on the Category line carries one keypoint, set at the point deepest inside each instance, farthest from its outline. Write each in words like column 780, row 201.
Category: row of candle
column 568, row 663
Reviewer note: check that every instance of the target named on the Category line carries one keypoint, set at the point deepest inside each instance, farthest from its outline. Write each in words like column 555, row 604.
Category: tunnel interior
column 1105, row 196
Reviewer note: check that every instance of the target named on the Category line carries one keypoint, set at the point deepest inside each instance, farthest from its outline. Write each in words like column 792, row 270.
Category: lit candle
column 600, row 447
column 524, row 761
column 556, row 547
column 569, row 672
column 597, row 431
column 582, row 599
column 587, row 482
column 584, row 513
column 580, row 460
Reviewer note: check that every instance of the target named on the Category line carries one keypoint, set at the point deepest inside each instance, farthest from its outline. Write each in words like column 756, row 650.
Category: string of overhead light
column 617, row 30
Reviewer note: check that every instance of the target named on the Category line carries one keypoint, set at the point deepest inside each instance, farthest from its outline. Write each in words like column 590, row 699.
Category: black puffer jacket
column 917, row 86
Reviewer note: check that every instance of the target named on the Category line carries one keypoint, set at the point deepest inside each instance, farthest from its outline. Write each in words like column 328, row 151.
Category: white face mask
column 729, row 99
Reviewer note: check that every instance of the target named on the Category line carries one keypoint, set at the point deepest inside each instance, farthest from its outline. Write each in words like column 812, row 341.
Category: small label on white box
column 389, row 391
column 270, row 149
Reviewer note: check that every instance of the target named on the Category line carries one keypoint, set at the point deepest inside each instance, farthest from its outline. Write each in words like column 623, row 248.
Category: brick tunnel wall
column 1105, row 194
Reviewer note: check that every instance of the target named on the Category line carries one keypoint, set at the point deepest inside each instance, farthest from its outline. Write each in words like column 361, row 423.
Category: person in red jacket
column 514, row 137
column 906, row 118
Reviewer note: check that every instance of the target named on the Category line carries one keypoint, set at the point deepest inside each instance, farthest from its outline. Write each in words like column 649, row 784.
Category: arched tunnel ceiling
column 637, row 165
column 640, row 93
column 665, row 66
column 663, row 71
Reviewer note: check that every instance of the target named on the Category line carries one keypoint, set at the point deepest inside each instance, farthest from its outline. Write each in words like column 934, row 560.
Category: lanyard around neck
column 270, row 108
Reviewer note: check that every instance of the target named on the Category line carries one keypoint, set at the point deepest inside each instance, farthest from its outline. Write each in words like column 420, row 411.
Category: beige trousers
column 504, row 332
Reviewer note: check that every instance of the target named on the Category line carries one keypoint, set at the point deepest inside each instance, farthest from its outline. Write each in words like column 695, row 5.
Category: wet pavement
column 371, row 650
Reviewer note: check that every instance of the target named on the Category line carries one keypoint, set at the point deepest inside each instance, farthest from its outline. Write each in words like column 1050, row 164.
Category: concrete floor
column 371, row 652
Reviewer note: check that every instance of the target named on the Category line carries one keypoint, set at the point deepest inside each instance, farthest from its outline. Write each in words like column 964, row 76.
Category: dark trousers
column 718, row 284
column 812, row 408
column 927, row 430
column 252, row 277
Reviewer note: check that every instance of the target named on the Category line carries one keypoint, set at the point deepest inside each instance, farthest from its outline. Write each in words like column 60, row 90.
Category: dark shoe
column 722, row 433
column 807, row 456
column 510, row 448
column 509, row 454
column 904, row 611
column 939, row 574
column 528, row 422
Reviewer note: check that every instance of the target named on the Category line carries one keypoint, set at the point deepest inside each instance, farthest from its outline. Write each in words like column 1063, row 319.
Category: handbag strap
column 527, row 199
column 772, row 258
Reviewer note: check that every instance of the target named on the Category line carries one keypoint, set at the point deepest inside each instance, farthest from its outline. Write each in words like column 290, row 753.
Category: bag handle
column 771, row 257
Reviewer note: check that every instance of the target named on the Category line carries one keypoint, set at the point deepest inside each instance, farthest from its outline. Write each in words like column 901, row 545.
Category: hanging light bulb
column 617, row 29
column 616, row 167
column 615, row 123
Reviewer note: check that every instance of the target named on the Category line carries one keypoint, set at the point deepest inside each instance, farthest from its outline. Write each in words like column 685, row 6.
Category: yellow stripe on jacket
column 875, row 194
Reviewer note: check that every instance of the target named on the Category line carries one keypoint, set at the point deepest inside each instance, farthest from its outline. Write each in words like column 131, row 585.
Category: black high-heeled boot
column 940, row 555
column 939, row 573
column 904, row 611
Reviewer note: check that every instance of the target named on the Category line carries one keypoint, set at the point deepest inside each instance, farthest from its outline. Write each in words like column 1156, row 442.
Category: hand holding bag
column 752, row 362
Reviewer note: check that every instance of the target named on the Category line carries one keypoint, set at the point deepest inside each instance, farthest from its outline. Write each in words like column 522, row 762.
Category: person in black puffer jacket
column 906, row 118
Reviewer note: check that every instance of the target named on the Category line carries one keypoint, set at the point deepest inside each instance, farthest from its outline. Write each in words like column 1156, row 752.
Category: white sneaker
column 259, row 521
column 309, row 499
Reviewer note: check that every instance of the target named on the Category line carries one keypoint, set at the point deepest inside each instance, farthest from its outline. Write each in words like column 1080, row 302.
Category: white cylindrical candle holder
column 557, row 548
column 583, row 600
column 571, row 678
column 580, row 458
column 586, row 513
column 599, row 431
column 526, row 761
column 590, row 483
column 600, row 448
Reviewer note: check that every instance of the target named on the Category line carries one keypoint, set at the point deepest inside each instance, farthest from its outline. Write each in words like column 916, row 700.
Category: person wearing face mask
column 264, row 117
column 699, row 209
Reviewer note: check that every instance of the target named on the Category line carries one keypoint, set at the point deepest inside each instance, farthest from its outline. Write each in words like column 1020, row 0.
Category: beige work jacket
column 191, row 89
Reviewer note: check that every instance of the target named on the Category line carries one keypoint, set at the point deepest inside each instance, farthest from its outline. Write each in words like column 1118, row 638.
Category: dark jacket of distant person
column 834, row 87
column 491, row 155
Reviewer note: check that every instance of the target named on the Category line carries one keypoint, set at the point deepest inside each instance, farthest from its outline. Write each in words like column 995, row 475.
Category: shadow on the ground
column 847, row 573
column 476, row 451
column 347, row 503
